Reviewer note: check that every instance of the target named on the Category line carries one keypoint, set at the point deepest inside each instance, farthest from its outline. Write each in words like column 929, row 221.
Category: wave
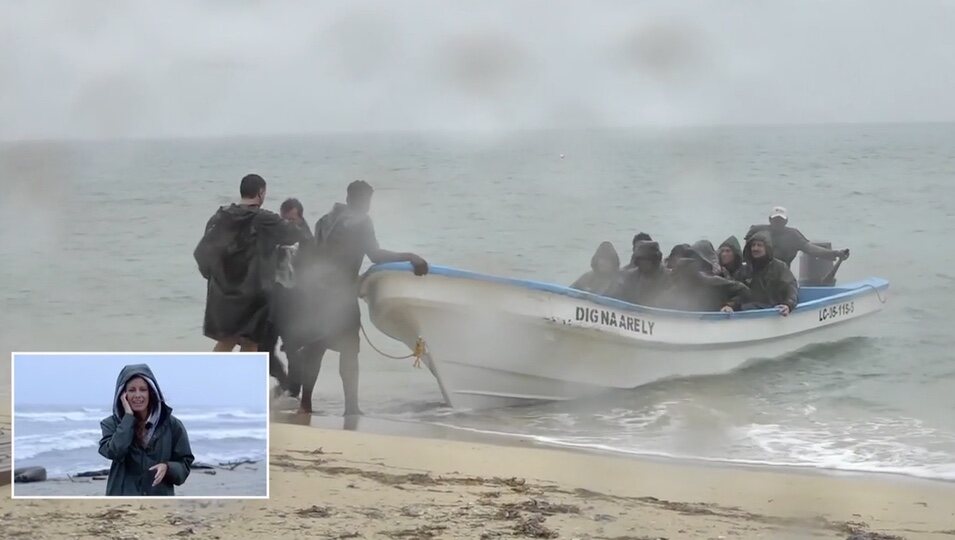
column 65, row 416
column 801, row 453
column 30, row 446
column 89, row 414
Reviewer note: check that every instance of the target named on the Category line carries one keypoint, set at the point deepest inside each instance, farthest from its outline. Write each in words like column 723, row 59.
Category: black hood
column 704, row 251
column 767, row 240
column 733, row 243
column 607, row 252
column 647, row 250
column 158, row 409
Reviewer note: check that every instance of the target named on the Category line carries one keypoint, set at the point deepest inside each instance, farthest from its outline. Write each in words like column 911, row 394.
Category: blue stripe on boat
column 810, row 297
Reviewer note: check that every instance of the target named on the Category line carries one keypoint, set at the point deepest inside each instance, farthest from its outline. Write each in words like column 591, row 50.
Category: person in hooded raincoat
column 637, row 239
column 771, row 283
column 237, row 256
column 147, row 445
column 647, row 283
column 697, row 286
column 604, row 276
column 343, row 238
column 789, row 241
column 731, row 258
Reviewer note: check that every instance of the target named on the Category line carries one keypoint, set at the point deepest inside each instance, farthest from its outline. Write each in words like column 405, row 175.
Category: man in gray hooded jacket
column 148, row 446
column 343, row 238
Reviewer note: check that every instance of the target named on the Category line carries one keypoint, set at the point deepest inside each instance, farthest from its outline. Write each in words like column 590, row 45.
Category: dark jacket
column 329, row 282
column 647, row 287
column 602, row 283
column 788, row 242
column 770, row 281
column 237, row 255
column 694, row 287
column 733, row 270
column 129, row 473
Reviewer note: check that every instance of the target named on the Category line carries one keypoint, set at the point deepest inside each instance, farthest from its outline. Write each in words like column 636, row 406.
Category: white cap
column 778, row 211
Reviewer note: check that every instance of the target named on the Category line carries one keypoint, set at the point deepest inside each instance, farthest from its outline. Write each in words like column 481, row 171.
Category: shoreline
column 444, row 432
column 333, row 483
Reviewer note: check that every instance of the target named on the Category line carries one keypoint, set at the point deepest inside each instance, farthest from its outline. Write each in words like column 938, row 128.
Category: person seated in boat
column 604, row 276
column 771, row 283
column 637, row 238
column 696, row 285
column 731, row 258
column 647, row 282
column 678, row 252
column 788, row 241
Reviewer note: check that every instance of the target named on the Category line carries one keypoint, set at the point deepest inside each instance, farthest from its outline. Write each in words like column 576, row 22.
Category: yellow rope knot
column 419, row 350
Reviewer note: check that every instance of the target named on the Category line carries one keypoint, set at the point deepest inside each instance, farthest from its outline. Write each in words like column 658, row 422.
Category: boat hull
column 496, row 342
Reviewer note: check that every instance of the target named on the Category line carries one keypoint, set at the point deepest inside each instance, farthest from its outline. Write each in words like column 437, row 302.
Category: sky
column 186, row 380
column 118, row 69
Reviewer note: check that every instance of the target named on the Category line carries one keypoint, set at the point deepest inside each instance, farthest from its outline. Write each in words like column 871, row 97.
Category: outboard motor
column 813, row 271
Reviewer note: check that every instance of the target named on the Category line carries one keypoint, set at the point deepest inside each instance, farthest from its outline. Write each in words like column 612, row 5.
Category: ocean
column 97, row 239
column 65, row 440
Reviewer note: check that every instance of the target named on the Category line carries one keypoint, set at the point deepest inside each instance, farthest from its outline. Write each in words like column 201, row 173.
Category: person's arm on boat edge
column 792, row 293
column 380, row 256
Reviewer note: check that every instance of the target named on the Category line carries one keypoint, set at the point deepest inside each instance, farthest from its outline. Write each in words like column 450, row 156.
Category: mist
column 110, row 69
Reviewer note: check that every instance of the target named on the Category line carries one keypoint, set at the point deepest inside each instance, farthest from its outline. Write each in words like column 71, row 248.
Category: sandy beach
column 343, row 484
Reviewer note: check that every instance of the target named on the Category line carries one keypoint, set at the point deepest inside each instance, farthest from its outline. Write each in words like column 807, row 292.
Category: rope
column 877, row 293
column 419, row 349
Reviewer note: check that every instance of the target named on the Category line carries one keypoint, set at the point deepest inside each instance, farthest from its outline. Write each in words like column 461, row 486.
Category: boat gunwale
column 850, row 290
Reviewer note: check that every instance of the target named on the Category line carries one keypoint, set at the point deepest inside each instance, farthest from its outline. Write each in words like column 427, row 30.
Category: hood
column 605, row 251
column 339, row 215
column 238, row 214
column 705, row 251
column 158, row 409
column 767, row 239
column 679, row 251
column 733, row 243
column 647, row 250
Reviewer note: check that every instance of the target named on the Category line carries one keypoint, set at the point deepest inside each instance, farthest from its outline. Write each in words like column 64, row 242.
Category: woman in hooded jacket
column 148, row 446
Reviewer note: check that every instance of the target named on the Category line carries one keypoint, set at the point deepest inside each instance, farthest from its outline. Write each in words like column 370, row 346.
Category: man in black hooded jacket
column 237, row 255
column 771, row 283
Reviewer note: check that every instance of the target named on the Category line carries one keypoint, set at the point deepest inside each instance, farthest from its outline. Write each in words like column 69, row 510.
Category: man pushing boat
column 343, row 238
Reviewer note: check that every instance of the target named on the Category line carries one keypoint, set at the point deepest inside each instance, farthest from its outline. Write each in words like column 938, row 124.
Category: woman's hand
column 161, row 469
column 126, row 407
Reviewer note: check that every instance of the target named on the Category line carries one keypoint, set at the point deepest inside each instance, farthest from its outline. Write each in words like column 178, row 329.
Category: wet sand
column 346, row 484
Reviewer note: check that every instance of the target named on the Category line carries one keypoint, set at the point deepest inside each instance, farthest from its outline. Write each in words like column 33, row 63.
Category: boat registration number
column 834, row 312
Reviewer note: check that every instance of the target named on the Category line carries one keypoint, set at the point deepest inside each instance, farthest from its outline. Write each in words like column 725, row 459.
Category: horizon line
column 437, row 131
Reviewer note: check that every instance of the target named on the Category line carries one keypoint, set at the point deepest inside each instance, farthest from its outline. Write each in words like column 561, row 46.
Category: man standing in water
column 343, row 238
column 788, row 241
column 237, row 257
column 285, row 299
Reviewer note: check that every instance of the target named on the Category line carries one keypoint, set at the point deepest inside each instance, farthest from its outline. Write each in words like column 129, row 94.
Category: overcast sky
column 124, row 68
column 220, row 380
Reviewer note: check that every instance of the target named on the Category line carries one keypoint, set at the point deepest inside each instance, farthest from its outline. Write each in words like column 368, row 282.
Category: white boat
column 495, row 342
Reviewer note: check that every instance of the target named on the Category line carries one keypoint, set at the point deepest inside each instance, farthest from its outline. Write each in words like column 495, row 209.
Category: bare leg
column 310, row 363
column 348, row 369
column 295, row 362
column 248, row 346
column 224, row 345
